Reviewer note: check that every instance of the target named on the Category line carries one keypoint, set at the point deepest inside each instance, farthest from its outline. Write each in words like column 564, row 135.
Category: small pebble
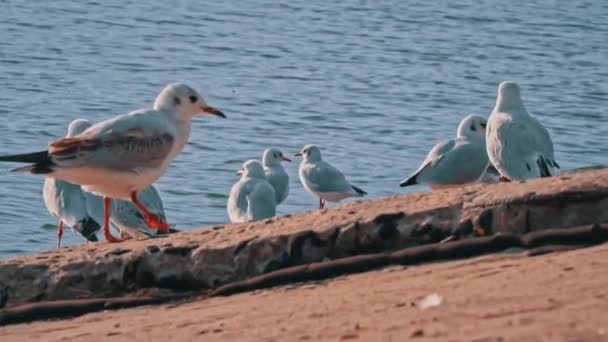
column 417, row 333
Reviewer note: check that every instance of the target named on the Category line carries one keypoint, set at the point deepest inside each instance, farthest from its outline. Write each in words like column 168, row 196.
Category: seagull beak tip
column 213, row 111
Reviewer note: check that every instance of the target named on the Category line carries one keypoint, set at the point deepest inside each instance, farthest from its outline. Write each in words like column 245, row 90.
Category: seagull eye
column 193, row 98
column 483, row 125
column 473, row 128
column 177, row 101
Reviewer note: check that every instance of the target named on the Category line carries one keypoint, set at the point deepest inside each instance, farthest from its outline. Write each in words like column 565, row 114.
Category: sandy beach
column 555, row 297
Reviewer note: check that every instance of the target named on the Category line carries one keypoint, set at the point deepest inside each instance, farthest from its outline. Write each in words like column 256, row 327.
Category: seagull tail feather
column 42, row 162
column 359, row 191
column 87, row 228
column 409, row 181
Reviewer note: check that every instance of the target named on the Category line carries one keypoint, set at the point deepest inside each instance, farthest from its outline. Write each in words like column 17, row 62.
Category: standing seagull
column 323, row 180
column 275, row 173
column 79, row 210
column 517, row 144
column 127, row 218
column 252, row 198
column 456, row 161
column 120, row 157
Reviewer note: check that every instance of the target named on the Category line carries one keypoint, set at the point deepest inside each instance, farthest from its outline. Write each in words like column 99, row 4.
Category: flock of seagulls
column 101, row 175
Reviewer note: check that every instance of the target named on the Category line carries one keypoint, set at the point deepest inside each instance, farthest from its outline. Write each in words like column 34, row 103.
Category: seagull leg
column 59, row 233
column 106, row 222
column 152, row 220
column 321, row 203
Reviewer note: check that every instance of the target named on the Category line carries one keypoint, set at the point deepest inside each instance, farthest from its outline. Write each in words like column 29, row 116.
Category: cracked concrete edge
column 572, row 200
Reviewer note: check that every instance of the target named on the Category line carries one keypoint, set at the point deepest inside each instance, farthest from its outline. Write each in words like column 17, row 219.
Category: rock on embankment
column 211, row 257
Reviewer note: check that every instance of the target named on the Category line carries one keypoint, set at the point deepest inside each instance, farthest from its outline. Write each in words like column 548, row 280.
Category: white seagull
column 252, row 198
column 457, row 161
column 127, row 218
column 517, row 144
column 120, row 157
column 79, row 210
column 323, row 180
column 275, row 173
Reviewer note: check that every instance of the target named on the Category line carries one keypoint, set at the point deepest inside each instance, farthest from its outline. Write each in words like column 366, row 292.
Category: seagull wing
column 323, row 177
column 141, row 139
column 433, row 158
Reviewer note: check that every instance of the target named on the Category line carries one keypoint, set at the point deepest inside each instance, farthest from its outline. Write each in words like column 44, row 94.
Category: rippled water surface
column 375, row 84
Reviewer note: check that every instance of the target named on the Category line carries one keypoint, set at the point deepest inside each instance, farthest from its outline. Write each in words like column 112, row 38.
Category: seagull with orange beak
column 275, row 173
column 323, row 180
column 120, row 157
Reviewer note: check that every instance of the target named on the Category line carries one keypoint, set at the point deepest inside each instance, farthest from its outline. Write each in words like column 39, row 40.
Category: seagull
column 517, row 144
column 275, row 173
column 323, row 180
column 127, row 218
column 457, row 161
column 79, row 210
column 252, row 198
column 119, row 157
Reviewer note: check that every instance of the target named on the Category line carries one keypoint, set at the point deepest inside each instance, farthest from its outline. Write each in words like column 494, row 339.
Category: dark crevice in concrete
column 242, row 245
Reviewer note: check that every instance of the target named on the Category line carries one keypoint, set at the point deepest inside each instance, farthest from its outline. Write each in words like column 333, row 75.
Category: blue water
column 375, row 84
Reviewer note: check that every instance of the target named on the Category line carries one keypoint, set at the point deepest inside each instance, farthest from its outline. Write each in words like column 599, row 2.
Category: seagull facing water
column 275, row 173
column 457, row 161
column 323, row 180
column 517, row 144
column 79, row 210
column 120, row 157
column 252, row 198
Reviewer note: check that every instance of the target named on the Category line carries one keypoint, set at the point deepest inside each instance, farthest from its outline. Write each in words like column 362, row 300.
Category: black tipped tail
column 410, row 181
column 359, row 191
column 42, row 162
column 543, row 167
column 27, row 157
column 87, row 228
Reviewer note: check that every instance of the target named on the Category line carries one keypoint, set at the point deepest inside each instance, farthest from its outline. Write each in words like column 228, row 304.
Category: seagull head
column 77, row 126
column 252, row 169
column 310, row 153
column 273, row 156
column 509, row 97
column 182, row 99
column 472, row 126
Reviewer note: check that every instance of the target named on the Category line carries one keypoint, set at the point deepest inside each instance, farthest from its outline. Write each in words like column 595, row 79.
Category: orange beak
column 212, row 111
column 286, row 159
